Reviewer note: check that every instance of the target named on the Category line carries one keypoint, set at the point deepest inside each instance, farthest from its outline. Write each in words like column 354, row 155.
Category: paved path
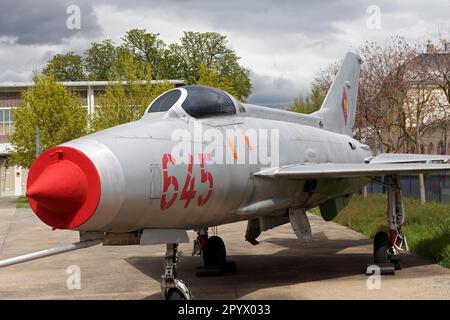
column 331, row 267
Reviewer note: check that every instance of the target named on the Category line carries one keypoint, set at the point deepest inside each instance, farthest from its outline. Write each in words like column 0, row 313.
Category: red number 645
column 205, row 177
column 188, row 193
column 167, row 182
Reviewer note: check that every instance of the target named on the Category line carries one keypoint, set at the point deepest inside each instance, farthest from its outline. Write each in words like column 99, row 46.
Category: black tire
column 175, row 294
column 381, row 248
column 214, row 254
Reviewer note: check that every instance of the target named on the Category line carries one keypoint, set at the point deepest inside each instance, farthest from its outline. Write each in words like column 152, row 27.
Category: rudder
column 339, row 107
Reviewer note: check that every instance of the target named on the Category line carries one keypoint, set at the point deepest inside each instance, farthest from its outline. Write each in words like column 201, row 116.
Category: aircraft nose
column 63, row 187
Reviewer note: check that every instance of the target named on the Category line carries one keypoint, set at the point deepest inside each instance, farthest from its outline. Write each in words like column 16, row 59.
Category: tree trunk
column 422, row 189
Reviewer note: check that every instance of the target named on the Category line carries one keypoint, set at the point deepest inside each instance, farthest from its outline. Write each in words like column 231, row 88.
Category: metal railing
column 437, row 187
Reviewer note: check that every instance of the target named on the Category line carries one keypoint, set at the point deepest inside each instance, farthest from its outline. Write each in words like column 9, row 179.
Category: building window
column 6, row 123
column 441, row 148
column 430, row 148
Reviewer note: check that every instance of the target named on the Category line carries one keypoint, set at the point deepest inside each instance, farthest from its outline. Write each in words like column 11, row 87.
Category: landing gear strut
column 173, row 288
column 386, row 247
column 396, row 216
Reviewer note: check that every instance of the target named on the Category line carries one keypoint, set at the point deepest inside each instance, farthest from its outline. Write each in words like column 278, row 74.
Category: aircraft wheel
column 175, row 294
column 381, row 248
column 214, row 253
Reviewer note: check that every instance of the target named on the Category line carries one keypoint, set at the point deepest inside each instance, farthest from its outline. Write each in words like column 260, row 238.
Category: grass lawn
column 22, row 202
column 427, row 227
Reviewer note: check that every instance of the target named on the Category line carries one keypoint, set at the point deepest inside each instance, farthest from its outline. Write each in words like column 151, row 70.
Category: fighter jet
column 199, row 158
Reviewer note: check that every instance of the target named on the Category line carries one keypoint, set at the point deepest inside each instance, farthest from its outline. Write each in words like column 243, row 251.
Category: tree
column 126, row 102
column 65, row 67
column 210, row 78
column 210, row 50
column 49, row 106
column 172, row 63
column 398, row 95
column 146, row 48
column 434, row 73
column 309, row 103
column 319, row 88
column 100, row 60
column 175, row 61
column 325, row 77
column 380, row 117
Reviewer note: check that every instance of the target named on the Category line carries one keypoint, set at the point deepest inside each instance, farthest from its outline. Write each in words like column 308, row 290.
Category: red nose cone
column 63, row 187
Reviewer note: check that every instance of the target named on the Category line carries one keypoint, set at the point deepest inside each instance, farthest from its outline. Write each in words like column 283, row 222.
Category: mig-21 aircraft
column 199, row 158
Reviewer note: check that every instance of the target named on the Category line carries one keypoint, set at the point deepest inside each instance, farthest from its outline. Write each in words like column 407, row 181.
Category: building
column 424, row 88
column 12, row 177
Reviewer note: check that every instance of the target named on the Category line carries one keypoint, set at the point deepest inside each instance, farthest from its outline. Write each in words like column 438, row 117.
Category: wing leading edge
column 378, row 166
column 404, row 158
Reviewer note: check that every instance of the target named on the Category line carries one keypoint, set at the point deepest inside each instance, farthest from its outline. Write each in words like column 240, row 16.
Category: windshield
column 165, row 101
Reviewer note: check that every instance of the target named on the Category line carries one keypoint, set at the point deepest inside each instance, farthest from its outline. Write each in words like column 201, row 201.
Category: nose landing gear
column 173, row 288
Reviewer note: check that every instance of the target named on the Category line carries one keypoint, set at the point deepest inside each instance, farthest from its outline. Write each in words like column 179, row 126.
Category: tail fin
column 339, row 107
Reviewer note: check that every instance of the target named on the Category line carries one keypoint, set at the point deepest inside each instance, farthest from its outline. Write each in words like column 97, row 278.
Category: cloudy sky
column 282, row 43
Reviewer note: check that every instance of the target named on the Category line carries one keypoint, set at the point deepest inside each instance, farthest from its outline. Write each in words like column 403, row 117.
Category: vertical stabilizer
column 339, row 107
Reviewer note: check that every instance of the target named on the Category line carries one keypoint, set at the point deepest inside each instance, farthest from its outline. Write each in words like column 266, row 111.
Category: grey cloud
column 11, row 76
column 273, row 91
column 262, row 16
column 263, row 32
column 44, row 22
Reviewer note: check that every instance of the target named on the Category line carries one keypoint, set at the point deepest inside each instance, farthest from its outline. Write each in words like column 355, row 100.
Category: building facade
column 424, row 99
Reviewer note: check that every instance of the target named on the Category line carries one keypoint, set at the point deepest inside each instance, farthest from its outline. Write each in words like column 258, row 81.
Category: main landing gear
column 387, row 246
column 212, row 250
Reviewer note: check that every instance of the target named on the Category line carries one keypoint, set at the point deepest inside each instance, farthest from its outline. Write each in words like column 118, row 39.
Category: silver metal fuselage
column 130, row 191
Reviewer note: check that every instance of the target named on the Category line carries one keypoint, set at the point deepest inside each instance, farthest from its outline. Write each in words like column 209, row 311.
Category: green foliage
column 310, row 103
column 100, row 60
column 65, row 67
column 126, row 102
column 175, row 61
column 54, row 110
column 210, row 50
column 22, row 202
column 210, row 78
column 146, row 48
column 172, row 63
column 427, row 226
column 200, row 58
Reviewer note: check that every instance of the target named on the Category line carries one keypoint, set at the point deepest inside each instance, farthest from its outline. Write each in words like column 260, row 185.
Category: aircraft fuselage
column 146, row 184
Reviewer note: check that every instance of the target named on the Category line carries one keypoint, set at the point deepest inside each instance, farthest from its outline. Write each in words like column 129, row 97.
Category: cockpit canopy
column 165, row 101
column 199, row 101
